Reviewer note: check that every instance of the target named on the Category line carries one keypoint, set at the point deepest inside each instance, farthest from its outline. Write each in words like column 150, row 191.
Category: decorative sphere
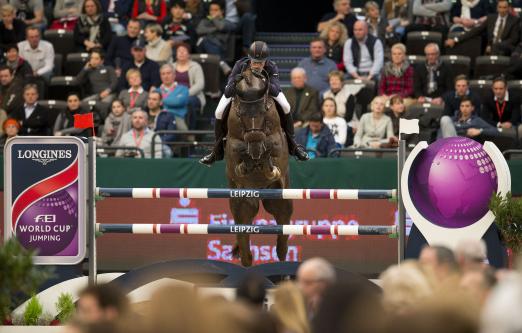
column 451, row 182
column 54, row 218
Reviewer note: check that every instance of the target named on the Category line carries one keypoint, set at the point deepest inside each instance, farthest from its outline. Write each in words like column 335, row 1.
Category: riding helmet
column 258, row 51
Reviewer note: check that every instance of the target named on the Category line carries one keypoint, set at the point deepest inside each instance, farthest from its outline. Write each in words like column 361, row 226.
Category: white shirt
column 29, row 109
column 338, row 127
column 41, row 59
column 497, row 26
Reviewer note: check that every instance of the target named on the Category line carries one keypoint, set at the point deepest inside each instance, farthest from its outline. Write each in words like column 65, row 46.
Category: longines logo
column 44, row 156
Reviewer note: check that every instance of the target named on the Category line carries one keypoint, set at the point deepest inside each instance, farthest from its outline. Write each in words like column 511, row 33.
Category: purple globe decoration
column 451, row 182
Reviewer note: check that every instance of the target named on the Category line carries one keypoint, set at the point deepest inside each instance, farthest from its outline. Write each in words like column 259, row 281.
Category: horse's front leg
column 244, row 210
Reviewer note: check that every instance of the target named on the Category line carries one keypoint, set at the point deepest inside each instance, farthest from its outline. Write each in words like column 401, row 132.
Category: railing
column 360, row 152
column 103, row 149
column 517, row 152
column 194, row 143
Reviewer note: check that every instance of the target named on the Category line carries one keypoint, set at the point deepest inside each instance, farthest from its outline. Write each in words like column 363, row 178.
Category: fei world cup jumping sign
column 44, row 197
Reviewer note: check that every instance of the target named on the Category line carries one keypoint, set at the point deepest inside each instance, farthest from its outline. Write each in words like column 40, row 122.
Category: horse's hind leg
column 282, row 212
column 244, row 211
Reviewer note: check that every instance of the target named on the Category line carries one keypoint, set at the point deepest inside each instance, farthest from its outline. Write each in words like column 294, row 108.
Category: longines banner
column 44, row 197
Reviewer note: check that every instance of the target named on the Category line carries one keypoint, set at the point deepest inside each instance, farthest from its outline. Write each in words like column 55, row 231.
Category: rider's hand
column 238, row 78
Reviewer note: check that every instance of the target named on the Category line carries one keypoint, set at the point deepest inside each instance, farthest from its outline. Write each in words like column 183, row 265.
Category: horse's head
column 252, row 95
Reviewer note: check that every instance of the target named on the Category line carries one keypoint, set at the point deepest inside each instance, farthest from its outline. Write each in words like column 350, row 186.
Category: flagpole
column 401, row 209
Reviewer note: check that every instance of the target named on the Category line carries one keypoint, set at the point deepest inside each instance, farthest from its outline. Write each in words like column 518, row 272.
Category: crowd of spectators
column 357, row 65
column 443, row 291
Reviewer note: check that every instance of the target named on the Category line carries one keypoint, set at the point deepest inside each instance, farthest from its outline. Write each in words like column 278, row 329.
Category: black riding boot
column 218, row 151
column 297, row 150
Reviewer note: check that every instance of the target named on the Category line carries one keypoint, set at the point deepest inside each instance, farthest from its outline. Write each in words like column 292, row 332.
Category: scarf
column 465, row 11
column 432, row 82
column 392, row 70
column 92, row 24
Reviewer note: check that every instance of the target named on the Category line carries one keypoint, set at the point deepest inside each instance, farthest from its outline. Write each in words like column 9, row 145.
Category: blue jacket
column 165, row 121
column 176, row 102
column 241, row 65
column 149, row 75
column 326, row 140
column 474, row 122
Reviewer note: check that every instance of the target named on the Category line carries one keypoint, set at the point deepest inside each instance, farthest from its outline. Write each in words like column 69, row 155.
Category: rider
column 257, row 60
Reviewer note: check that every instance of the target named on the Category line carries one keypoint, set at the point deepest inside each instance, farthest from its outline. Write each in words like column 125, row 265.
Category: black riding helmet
column 258, row 51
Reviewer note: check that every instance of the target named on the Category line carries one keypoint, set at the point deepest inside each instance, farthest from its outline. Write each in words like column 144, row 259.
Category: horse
column 256, row 154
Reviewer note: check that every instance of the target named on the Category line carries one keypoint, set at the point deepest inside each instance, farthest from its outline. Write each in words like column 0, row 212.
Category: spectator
column 149, row 69
column 397, row 14
column 314, row 276
column 214, row 31
column 157, row 49
column 466, row 15
column 336, row 124
column 135, row 97
column 119, row 52
column 12, row 30
column 67, row 8
column 289, row 309
column 303, row 99
column 471, row 254
column 342, row 13
column 152, row 11
column 22, row 70
column 190, row 74
column 178, row 29
column 195, row 11
column 377, row 25
column 430, row 15
column 252, row 290
column 140, row 136
column 93, row 29
column 335, row 35
column 33, row 117
column 440, row 260
column 466, row 123
column 316, row 137
column 174, row 95
column 31, row 12
column 101, row 79
column 101, row 303
column 10, row 129
column 363, row 54
column 117, row 12
column 479, row 283
column 38, row 53
column 397, row 75
column 343, row 94
column 10, row 88
column 64, row 123
column 405, row 286
column 240, row 14
column 117, row 123
column 317, row 66
column 452, row 98
column 375, row 128
column 433, row 78
column 500, row 314
column 160, row 119
column 502, row 31
column 500, row 108
column 396, row 112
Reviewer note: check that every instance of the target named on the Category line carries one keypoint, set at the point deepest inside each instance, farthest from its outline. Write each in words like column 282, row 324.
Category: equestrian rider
column 257, row 60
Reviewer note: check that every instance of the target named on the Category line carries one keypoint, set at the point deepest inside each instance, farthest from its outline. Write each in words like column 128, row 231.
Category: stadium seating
column 74, row 63
column 62, row 40
column 459, row 65
column 417, row 40
column 487, row 67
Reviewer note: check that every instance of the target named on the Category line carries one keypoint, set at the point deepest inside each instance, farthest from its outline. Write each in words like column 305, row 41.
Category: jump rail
column 204, row 229
column 205, row 193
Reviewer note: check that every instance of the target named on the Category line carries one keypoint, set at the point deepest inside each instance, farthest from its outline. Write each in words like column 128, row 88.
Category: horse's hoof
column 235, row 251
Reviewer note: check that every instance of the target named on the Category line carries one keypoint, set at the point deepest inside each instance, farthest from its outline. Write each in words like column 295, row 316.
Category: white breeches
column 224, row 101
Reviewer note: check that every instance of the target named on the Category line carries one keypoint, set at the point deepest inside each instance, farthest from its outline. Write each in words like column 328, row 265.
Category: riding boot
column 218, row 151
column 295, row 149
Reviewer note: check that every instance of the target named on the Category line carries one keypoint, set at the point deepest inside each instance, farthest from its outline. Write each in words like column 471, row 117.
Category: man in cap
column 257, row 59
column 149, row 69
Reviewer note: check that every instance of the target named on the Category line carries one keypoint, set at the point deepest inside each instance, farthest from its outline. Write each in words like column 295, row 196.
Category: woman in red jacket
column 148, row 11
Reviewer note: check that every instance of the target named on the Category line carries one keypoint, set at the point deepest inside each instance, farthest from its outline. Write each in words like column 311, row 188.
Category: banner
column 44, row 197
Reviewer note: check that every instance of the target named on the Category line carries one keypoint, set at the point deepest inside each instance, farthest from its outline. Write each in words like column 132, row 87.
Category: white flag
column 408, row 126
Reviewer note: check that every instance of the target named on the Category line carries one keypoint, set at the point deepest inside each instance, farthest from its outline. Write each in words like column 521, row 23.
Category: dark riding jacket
column 241, row 65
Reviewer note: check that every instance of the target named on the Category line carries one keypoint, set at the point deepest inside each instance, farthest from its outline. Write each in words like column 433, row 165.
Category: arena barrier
column 208, row 193
column 204, row 229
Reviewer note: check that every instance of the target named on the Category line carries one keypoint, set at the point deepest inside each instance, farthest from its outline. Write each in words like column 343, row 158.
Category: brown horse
column 256, row 156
